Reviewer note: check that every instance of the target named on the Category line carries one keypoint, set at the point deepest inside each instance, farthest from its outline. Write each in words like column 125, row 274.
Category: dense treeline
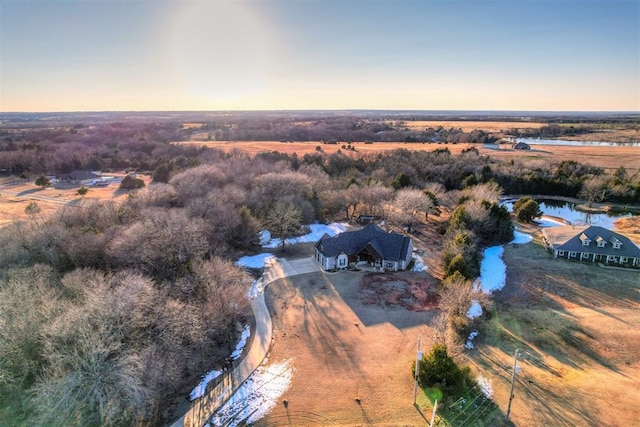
column 146, row 147
column 58, row 150
column 126, row 304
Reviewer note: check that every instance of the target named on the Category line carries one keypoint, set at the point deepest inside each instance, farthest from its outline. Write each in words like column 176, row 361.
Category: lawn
column 579, row 330
column 343, row 348
column 576, row 325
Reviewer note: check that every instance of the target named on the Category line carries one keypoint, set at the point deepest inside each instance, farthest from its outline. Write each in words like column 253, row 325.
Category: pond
column 539, row 141
column 568, row 212
column 493, row 268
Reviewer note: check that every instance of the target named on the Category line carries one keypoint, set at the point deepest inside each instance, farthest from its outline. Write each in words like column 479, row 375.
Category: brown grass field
column 606, row 157
column 50, row 199
column 577, row 326
column 469, row 126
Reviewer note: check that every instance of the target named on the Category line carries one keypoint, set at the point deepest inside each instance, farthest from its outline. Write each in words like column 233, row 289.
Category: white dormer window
column 615, row 242
column 601, row 242
column 585, row 240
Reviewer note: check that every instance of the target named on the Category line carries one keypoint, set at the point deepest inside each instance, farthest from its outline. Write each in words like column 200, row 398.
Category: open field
column 469, row 126
column 606, row 157
column 16, row 195
column 615, row 135
column 579, row 329
column 343, row 348
column 576, row 324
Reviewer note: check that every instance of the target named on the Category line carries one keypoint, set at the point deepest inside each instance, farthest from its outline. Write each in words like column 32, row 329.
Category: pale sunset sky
column 105, row 55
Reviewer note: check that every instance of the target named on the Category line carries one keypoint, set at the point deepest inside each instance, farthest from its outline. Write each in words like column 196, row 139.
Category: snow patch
column 485, row 386
column 475, row 310
column 264, row 237
column 315, row 234
column 256, row 288
column 548, row 222
column 200, row 389
column 255, row 261
column 256, row 397
column 240, row 346
column 521, row 237
column 493, row 270
column 418, row 263
column 470, row 338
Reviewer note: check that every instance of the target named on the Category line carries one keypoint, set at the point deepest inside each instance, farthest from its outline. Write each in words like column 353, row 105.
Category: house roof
column 390, row 246
column 568, row 238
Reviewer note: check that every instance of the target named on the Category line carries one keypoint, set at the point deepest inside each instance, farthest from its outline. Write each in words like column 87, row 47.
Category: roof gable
column 603, row 236
column 390, row 246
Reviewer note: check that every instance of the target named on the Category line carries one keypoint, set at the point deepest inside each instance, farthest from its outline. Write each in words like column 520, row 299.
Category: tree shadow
column 30, row 191
column 365, row 417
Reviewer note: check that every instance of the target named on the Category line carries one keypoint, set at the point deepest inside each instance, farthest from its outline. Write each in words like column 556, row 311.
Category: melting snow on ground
column 521, row 237
column 199, row 390
column 485, row 386
column 475, row 310
column 256, row 397
column 240, row 346
column 418, row 263
column 470, row 338
column 317, row 231
column 255, row 261
column 548, row 222
column 493, row 270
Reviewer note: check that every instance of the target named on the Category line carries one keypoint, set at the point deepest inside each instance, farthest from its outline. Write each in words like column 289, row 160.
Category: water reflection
column 567, row 211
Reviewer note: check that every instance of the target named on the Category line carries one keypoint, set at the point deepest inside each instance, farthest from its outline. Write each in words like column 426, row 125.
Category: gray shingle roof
column 595, row 234
column 391, row 246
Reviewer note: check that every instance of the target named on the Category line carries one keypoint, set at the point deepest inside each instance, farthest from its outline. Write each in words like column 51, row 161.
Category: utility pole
column 415, row 379
column 513, row 381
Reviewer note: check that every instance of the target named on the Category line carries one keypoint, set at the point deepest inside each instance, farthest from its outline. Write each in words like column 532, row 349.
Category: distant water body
column 538, row 141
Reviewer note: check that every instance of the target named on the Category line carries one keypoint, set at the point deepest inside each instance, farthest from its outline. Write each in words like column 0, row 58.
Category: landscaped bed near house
column 417, row 293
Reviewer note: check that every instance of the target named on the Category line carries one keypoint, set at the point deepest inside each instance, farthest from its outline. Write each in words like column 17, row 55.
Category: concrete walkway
column 205, row 406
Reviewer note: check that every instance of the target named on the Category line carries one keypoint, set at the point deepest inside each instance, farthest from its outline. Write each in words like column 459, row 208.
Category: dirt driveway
column 343, row 349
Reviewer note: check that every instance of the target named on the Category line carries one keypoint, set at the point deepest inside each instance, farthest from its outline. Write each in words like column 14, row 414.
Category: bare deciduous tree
column 283, row 220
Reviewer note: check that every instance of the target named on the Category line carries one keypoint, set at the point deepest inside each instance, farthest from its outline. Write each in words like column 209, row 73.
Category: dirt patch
column 410, row 293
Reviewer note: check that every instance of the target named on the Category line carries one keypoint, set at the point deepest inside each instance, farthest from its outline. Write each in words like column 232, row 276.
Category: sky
column 109, row 55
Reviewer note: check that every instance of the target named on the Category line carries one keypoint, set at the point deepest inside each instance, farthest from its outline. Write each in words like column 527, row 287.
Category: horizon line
column 330, row 110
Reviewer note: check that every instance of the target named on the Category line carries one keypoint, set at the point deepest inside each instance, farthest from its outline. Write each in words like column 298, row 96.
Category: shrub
column 526, row 209
column 130, row 182
column 438, row 369
column 43, row 181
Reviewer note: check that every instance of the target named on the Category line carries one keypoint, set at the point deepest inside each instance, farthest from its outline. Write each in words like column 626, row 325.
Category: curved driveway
column 205, row 406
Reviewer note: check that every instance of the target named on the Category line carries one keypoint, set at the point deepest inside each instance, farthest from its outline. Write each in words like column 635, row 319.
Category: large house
column 592, row 243
column 370, row 245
